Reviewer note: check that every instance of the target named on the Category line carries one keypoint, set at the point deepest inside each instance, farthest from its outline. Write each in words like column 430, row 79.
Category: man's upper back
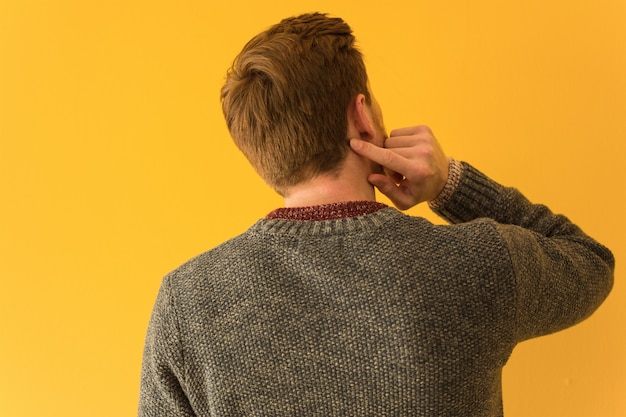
column 347, row 315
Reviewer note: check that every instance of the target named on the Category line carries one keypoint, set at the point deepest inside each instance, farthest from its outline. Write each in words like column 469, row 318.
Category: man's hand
column 416, row 166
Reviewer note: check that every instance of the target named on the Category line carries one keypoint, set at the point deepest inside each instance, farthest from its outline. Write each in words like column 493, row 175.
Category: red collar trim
column 327, row 211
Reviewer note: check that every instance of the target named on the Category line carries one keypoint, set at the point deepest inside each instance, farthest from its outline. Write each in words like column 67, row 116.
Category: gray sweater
column 376, row 315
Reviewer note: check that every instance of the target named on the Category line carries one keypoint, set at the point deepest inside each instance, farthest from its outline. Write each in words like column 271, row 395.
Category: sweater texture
column 374, row 314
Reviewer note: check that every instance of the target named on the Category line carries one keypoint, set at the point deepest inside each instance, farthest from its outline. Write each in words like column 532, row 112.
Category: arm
column 562, row 275
column 161, row 393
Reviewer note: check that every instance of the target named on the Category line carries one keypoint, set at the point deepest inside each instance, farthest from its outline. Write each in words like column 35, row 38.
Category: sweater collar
column 332, row 211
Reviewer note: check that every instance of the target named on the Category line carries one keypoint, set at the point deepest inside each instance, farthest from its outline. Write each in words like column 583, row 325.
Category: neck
column 348, row 184
column 324, row 190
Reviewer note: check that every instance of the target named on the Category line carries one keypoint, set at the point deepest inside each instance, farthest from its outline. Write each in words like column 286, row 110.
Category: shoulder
column 483, row 232
column 211, row 261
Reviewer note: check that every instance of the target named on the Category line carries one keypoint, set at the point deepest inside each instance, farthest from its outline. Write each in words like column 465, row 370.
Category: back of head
column 286, row 97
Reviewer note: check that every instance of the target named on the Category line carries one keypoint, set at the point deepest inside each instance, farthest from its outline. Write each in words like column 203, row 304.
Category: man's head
column 286, row 98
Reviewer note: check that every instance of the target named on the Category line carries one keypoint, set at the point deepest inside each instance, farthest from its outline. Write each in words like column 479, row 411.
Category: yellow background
column 115, row 167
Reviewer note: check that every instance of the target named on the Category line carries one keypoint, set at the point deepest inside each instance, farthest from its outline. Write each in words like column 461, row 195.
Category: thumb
column 387, row 186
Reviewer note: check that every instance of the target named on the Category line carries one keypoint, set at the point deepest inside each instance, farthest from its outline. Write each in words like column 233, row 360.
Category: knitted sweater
column 374, row 315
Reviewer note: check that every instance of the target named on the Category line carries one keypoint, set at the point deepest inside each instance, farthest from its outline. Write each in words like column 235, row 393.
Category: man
column 336, row 305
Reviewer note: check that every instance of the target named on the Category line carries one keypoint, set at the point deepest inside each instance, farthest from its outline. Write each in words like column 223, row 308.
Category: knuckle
column 388, row 158
column 423, row 129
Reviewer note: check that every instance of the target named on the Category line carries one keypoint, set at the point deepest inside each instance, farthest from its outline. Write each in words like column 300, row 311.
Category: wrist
column 455, row 171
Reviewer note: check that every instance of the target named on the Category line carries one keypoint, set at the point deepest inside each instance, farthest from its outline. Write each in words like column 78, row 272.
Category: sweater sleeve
column 562, row 275
column 162, row 372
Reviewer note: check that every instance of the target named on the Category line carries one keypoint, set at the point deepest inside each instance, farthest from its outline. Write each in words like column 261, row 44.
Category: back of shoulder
column 210, row 261
column 481, row 232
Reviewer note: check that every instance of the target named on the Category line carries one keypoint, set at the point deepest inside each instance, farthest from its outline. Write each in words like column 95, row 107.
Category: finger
column 403, row 131
column 385, row 157
column 408, row 152
column 409, row 131
column 397, row 194
column 387, row 186
column 398, row 142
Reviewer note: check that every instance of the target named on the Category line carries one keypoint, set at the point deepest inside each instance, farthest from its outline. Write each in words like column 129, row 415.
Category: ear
column 360, row 121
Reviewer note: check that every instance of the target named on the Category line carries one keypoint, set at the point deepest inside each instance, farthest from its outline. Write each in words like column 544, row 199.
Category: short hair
column 286, row 98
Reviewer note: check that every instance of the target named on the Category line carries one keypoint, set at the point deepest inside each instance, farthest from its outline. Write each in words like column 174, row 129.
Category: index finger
column 385, row 157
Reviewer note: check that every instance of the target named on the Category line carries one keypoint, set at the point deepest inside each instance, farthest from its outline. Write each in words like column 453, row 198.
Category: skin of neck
column 349, row 183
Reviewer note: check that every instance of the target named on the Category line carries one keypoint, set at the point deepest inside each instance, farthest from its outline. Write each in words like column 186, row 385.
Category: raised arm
column 562, row 275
